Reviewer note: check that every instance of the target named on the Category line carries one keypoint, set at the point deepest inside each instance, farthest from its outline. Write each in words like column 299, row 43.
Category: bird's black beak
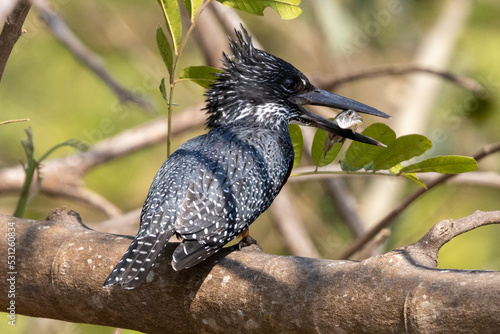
column 321, row 97
column 310, row 119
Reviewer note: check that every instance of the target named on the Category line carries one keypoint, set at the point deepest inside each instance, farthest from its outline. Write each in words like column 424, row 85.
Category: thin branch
column 425, row 251
column 328, row 82
column 172, row 82
column 79, row 50
column 126, row 223
column 360, row 242
column 6, row 8
column 12, row 30
column 15, row 121
column 86, row 196
column 341, row 196
column 478, row 178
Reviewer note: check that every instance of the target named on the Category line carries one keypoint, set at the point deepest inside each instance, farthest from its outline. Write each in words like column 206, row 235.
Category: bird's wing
column 226, row 197
column 157, row 217
column 210, row 208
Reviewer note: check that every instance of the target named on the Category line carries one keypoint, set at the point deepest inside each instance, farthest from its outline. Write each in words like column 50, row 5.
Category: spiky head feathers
column 251, row 79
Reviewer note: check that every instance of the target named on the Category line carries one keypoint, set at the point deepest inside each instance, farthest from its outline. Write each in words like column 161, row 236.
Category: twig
column 360, row 242
column 12, row 30
column 175, row 63
column 374, row 245
column 125, row 223
column 6, row 8
column 339, row 193
column 306, row 174
column 15, row 121
column 86, row 196
column 75, row 46
column 425, row 251
column 331, row 83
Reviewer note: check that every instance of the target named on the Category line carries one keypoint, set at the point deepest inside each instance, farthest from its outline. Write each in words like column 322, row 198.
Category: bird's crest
column 243, row 49
column 248, row 79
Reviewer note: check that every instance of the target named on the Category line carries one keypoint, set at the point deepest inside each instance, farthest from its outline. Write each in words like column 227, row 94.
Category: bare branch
column 61, row 264
column 329, row 82
column 79, row 50
column 15, row 121
column 425, row 251
column 306, row 174
column 126, row 223
column 12, row 30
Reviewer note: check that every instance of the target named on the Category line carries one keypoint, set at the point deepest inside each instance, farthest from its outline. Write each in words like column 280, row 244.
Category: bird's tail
column 137, row 261
column 190, row 253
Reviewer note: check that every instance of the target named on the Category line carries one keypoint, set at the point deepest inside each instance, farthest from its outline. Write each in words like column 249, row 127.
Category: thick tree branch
column 60, row 266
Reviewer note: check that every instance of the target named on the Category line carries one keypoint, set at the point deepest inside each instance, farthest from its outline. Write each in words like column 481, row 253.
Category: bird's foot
column 246, row 241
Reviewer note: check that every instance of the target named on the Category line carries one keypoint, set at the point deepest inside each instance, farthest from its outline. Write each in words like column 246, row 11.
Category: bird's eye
column 290, row 83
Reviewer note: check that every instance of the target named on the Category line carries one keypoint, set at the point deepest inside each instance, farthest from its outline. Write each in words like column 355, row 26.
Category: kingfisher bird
column 215, row 185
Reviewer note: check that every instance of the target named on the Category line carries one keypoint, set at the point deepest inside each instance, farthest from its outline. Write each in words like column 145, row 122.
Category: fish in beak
column 323, row 98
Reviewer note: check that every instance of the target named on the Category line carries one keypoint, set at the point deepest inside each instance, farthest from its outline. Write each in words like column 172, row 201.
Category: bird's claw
column 246, row 241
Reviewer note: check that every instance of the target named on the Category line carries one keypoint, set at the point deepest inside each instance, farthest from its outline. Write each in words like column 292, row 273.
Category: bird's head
column 259, row 89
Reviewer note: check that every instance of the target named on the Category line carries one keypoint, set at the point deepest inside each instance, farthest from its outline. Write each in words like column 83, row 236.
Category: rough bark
column 61, row 265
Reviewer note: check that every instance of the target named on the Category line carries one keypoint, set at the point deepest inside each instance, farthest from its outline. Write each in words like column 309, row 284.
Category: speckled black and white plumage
column 215, row 185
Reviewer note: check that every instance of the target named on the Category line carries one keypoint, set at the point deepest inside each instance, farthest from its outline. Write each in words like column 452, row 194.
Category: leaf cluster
column 392, row 158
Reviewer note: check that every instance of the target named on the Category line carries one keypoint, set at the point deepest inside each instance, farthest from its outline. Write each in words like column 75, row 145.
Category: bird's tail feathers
column 190, row 253
column 137, row 261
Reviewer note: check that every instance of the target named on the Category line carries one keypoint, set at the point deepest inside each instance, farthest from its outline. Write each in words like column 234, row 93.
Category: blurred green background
column 63, row 100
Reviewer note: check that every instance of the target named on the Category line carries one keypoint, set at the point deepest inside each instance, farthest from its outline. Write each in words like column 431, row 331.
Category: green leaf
column 287, row 9
column 297, row 141
column 446, row 164
column 172, row 15
column 414, row 177
column 165, row 49
column 192, row 7
column 396, row 169
column 32, row 165
column 360, row 154
column 189, row 7
column 202, row 75
column 163, row 90
column 319, row 156
column 404, row 148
